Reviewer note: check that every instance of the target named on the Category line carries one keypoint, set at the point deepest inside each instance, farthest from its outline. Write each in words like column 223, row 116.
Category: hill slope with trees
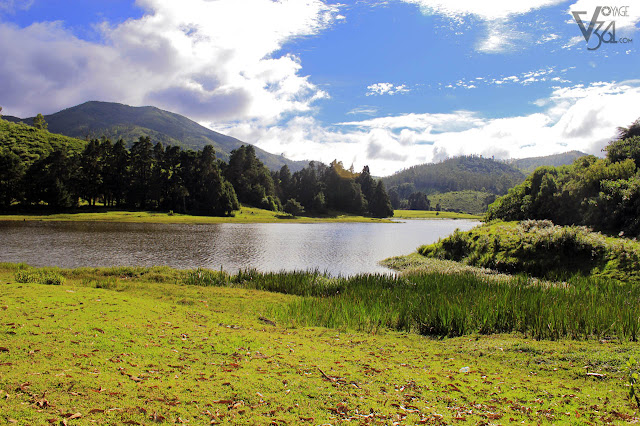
column 600, row 193
column 42, row 170
column 95, row 120
column 528, row 165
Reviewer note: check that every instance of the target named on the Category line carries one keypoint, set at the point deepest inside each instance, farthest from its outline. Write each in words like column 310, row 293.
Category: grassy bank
column 139, row 346
column 245, row 215
column 541, row 249
column 432, row 214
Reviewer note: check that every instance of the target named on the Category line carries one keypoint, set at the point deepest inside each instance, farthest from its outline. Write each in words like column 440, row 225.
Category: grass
column 151, row 349
column 542, row 249
column 245, row 215
column 429, row 214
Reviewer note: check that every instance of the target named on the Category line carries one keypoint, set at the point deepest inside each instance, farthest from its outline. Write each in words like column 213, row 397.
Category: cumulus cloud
column 193, row 57
column 578, row 117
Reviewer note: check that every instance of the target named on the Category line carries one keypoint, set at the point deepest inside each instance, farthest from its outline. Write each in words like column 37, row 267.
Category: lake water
column 338, row 248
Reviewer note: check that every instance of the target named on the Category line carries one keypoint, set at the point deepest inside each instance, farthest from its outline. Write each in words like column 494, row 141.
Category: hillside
column 528, row 165
column 30, row 143
column 472, row 202
column 458, row 174
column 115, row 121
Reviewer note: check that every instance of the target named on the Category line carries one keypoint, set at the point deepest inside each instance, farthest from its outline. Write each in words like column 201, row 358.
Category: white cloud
column 364, row 110
column 580, row 117
column 501, row 36
column 193, row 57
column 386, row 89
column 524, row 79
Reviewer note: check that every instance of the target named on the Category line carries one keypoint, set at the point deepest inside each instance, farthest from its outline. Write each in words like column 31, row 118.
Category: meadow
column 152, row 345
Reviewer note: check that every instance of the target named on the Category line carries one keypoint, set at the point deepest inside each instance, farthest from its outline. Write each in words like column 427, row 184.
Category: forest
column 53, row 172
column 419, row 187
column 602, row 193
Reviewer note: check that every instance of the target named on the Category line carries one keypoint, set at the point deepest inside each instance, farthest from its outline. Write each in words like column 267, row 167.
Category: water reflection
column 338, row 248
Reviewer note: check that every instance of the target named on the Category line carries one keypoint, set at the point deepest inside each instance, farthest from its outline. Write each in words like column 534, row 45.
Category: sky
column 389, row 84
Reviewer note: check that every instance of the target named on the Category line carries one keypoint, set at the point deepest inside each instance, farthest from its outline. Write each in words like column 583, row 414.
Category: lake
column 337, row 248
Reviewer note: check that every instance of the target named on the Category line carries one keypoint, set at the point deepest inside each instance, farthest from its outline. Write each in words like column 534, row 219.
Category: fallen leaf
column 96, row 410
column 3, row 349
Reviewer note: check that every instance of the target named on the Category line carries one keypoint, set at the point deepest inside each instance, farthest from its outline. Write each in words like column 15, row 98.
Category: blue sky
column 387, row 83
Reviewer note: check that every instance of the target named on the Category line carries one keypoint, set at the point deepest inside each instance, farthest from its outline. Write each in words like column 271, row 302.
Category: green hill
column 114, row 121
column 30, row 143
column 458, row 174
column 528, row 165
column 473, row 202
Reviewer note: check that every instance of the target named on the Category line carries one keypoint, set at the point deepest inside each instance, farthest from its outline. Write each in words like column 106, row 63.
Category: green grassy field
column 429, row 214
column 139, row 346
column 245, row 215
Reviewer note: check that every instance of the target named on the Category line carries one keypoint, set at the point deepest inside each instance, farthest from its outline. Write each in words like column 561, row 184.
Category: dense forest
column 38, row 168
column 601, row 193
column 412, row 188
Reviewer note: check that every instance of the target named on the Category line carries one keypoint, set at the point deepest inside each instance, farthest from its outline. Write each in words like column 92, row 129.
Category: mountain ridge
column 96, row 119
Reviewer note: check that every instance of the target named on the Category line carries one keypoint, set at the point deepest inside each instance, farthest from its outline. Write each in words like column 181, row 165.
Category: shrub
column 39, row 276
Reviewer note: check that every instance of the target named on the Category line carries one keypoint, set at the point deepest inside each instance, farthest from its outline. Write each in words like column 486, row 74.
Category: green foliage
column 456, row 174
column 293, row 207
column 39, row 122
column 473, row 202
column 419, row 201
column 39, row 276
column 600, row 193
column 542, row 249
column 632, row 372
column 31, row 144
column 528, row 165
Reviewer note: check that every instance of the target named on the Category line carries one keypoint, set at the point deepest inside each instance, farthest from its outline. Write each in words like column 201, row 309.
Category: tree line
column 601, row 193
column 152, row 177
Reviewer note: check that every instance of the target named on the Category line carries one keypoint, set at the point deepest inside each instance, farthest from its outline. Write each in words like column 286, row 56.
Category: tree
column 90, row 178
column 629, row 132
column 394, row 197
column 419, row 201
column 50, row 179
column 116, row 173
column 250, row 178
column 0, row 112
column 293, row 207
column 380, row 205
column 39, row 122
column 141, row 169
column 12, row 170
column 215, row 195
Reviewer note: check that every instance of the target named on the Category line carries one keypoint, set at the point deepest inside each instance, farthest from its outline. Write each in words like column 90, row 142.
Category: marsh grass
column 431, row 303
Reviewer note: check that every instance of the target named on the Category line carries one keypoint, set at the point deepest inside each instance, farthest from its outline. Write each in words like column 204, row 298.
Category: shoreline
column 245, row 215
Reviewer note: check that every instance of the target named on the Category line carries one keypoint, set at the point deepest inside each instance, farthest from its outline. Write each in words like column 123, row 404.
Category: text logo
column 602, row 25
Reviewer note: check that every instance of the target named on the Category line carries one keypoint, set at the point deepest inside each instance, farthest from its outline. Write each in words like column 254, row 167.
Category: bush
column 293, row 207
column 39, row 276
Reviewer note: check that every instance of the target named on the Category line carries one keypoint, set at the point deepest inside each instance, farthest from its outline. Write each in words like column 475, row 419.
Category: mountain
column 115, row 121
column 528, row 165
column 457, row 174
